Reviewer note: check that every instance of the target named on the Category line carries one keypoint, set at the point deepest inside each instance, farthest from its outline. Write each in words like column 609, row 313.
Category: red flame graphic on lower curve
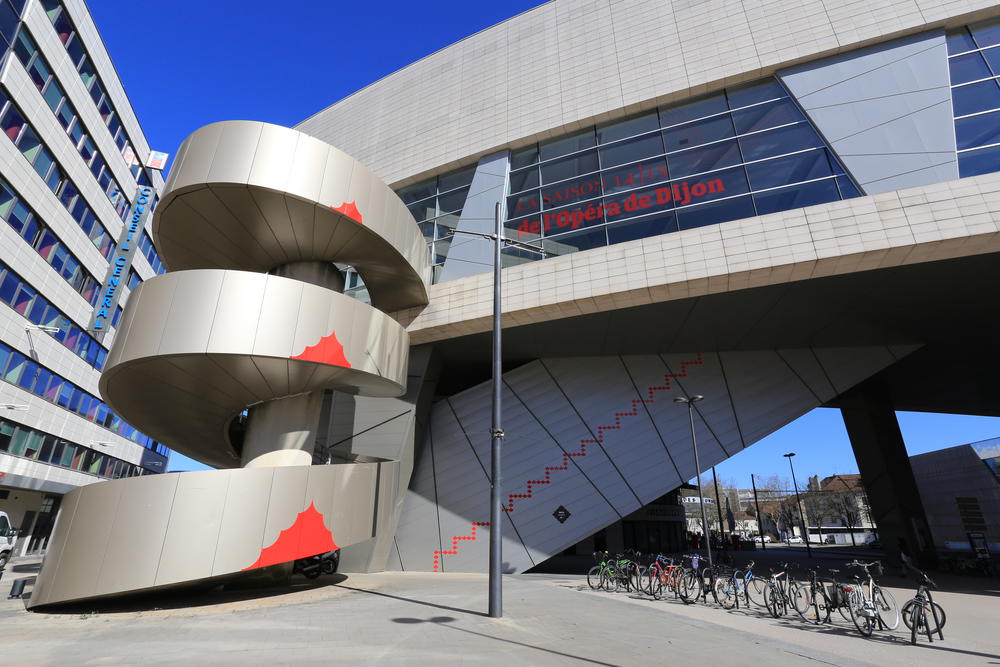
column 349, row 209
column 327, row 351
column 308, row 536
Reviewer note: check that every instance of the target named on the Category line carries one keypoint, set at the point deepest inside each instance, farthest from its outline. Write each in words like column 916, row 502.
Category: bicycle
column 728, row 590
column 874, row 606
column 778, row 592
column 811, row 601
column 595, row 576
column 753, row 586
column 922, row 614
column 662, row 572
column 689, row 582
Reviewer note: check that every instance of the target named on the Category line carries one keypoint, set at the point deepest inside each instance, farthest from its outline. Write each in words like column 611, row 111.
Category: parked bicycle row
column 853, row 593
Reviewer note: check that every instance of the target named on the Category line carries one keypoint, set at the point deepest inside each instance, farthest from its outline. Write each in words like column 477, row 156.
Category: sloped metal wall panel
column 551, row 405
column 560, row 424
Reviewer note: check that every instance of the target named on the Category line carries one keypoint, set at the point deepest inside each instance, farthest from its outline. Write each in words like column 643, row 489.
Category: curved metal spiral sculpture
column 250, row 318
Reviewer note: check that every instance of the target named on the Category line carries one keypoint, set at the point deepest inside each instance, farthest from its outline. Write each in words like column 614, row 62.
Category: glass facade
column 29, row 226
column 19, row 370
column 52, row 92
column 28, row 443
column 70, row 39
column 436, row 205
column 974, row 62
column 742, row 152
column 30, row 304
column 17, row 129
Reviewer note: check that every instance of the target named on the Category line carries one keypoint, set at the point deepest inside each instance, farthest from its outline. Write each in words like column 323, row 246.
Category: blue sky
column 187, row 64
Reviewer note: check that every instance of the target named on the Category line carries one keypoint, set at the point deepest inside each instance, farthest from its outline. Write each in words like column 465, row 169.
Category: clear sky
column 186, row 64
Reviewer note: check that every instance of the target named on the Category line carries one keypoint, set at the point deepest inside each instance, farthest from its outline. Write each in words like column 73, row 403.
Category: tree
column 845, row 505
column 817, row 508
column 771, row 492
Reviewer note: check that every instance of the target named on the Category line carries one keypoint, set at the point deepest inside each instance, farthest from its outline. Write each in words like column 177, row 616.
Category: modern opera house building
column 778, row 206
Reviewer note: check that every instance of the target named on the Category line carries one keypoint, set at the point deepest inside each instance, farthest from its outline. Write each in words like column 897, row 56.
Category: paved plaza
column 431, row 619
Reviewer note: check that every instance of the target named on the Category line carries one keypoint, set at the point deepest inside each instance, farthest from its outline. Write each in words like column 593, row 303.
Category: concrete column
column 283, row 432
column 885, row 471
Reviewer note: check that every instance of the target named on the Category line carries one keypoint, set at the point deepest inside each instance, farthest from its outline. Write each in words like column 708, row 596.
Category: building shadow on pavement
column 471, row 612
column 443, row 621
column 196, row 596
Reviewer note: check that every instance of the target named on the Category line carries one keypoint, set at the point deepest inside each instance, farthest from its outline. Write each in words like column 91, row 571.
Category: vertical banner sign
column 117, row 275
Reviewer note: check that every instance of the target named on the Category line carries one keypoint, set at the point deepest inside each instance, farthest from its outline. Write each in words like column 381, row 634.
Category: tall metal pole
column 802, row 515
column 697, row 467
column 760, row 517
column 718, row 503
column 496, row 434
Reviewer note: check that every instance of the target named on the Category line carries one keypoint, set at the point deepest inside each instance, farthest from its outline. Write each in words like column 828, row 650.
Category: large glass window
column 974, row 61
column 741, row 152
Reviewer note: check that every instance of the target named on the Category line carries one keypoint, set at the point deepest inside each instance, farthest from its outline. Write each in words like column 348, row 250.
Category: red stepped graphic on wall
column 307, row 536
column 531, row 483
column 328, row 351
column 349, row 209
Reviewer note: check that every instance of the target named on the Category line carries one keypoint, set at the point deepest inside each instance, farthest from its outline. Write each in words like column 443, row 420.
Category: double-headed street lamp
column 689, row 401
column 802, row 515
column 496, row 432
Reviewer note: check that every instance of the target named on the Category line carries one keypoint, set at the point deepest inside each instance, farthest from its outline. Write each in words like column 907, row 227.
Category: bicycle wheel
column 594, row 577
column 725, row 592
column 885, row 605
column 689, row 587
column 657, row 582
column 861, row 613
column 907, row 611
column 919, row 622
column 845, row 608
column 808, row 603
column 755, row 590
column 772, row 600
column 638, row 577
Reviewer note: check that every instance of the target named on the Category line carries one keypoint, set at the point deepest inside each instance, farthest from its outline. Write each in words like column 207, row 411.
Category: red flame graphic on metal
column 308, row 536
column 349, row 209
column 327, row 351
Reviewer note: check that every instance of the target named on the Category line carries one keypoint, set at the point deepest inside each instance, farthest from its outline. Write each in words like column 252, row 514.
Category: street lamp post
column 802, row 515
column 689, row 401
column 496, row 432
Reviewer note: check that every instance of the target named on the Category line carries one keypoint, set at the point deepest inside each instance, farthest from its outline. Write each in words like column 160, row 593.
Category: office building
column 70, row 169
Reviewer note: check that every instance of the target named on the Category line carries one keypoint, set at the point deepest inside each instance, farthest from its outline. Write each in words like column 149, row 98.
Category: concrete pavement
column 424, row 619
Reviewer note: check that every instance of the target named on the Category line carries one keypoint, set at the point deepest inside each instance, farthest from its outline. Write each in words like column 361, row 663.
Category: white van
column 7, row 538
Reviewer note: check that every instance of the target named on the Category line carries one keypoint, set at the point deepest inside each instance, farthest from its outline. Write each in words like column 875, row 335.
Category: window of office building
column 741, row 152
column 974, row 61
column 69, row 36
column 42, row 76
column 19, row 440
column 19, row 370
column 25, row 139
column 27, row 302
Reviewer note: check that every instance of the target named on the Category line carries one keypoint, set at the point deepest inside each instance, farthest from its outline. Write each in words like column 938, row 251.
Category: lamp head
column 790, row 454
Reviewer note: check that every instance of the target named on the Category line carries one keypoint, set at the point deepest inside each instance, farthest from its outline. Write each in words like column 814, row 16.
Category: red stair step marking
column 509, row 507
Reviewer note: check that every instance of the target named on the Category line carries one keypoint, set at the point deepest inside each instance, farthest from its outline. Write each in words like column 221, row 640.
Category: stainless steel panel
column 138, row 527
column 244, row 518
column 189, row 324
column 190, row 541
column 236, row 152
